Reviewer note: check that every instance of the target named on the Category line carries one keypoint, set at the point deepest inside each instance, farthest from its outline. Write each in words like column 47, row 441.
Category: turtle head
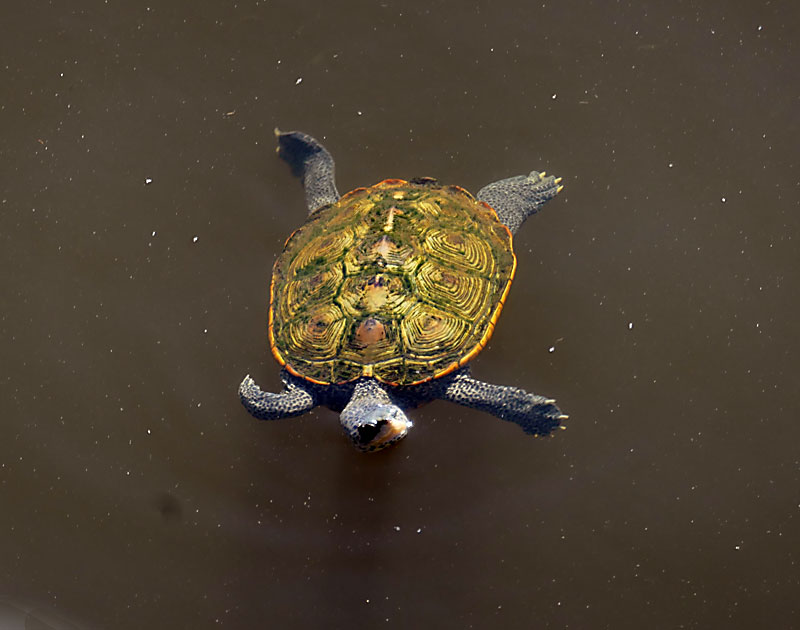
column 373, row 426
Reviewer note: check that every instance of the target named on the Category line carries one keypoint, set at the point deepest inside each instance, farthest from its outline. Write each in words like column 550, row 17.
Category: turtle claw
column 248, row 386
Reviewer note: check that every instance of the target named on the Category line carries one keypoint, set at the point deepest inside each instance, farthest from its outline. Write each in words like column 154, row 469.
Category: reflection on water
column 15, row 615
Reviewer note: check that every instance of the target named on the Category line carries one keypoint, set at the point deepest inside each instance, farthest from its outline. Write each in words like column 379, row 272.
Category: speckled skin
column 312, row 164
column 373, row 413
column 516, row 198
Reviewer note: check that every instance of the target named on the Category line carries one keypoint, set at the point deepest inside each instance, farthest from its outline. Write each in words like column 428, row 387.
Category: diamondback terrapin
column 379, row 301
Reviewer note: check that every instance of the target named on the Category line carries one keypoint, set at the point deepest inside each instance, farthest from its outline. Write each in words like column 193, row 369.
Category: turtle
column 381, row 299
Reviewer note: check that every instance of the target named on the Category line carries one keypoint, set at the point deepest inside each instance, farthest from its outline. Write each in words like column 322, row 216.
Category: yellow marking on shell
column 490, row 328
column 558, row 180
column 375, row 296
column 271, row 321
column 352, row 193
column 468, row 295
column 291, row 370
column 463, row 250
column 279, row 358
column 363, row 295
column 390, row 219
column 366, row 354
column 559, row 189
column 384, row 247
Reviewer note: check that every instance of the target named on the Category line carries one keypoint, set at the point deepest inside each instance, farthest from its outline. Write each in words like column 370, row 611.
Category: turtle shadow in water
column 360, row 553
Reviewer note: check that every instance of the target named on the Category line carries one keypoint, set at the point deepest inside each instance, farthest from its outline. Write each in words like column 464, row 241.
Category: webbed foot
column 536, row 415
column 516, row 198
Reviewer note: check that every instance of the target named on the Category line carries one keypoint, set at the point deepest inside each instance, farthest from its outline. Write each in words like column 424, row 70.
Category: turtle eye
column 368, row 432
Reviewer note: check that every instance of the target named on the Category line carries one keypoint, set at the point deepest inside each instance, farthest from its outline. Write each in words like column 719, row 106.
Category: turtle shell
column 401, row 281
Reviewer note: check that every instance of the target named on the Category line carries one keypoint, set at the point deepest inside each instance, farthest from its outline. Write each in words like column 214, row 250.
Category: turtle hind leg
column 294, row 400
column 312, row 163
column 516, row 198
column 536, row 415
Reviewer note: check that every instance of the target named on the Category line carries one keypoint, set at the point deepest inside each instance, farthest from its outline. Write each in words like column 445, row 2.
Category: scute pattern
column 400, row 281
column 444, row 287
column 467, row 251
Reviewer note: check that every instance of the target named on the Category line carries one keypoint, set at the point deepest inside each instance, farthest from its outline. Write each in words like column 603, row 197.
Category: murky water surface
column 142, row 207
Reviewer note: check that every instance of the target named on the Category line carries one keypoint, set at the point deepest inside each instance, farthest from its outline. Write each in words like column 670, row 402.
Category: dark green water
column 142, row 206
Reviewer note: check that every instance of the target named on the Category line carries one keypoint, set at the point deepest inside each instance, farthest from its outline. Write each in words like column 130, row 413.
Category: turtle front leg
column 295, row 399
column 516, row 198
column 536, row 415
column 312, row 163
